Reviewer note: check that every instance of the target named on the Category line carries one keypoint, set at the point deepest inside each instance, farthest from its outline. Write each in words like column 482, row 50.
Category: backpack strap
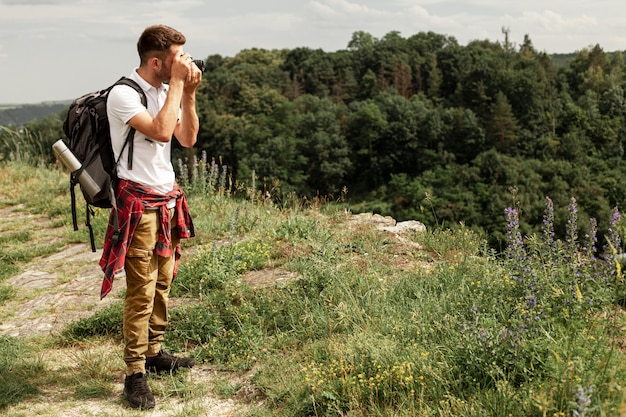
column 89, row 212
column 73, row 182
column 116, row 224
column 131, row 134
column 130, row 142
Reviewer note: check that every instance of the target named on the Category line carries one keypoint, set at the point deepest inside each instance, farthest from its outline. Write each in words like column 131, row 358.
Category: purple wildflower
column 582, row 397
column 591, row 239
column 516, row 250
column 548, row 240
column 571, row 229
column 614, row 244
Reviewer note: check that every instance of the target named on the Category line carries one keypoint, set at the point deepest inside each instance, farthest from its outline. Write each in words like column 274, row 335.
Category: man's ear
column 155, row 64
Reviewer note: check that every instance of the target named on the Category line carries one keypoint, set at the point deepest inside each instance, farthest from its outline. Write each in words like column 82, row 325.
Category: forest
column 416, row 127
column 17, row 115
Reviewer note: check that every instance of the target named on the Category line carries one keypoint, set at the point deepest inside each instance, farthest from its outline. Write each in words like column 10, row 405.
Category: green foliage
column 105, row 322
column 16, row 116
column 419, row 107
column 31, row 142
column 213, row 268
column 324, row 149
column 305, row 122
column 472, row 335
column 6, row 292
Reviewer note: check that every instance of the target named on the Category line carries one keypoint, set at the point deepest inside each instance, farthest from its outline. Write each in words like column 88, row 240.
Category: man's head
column 156, row 41
column 160, row 42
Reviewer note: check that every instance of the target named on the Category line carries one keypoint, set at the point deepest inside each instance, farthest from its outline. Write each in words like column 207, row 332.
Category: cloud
column 33, row 2
column 101, row 34
column 555, row 22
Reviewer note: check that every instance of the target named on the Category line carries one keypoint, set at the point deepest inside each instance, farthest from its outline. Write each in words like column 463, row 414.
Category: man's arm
column 181, row 92
column 161, row 128
column 186, row 130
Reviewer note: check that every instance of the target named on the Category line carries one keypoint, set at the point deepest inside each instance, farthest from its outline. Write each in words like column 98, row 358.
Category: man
column 152, row 210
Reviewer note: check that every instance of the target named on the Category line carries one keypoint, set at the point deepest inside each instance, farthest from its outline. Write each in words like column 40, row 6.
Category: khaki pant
column 148, row 281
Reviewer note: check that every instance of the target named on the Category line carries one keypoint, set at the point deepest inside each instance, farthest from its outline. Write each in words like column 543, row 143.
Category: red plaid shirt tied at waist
column 132, row 200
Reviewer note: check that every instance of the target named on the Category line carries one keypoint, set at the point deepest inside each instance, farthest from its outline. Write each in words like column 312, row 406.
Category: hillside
column 57, row 284
column 308, row 309
column 17, row 115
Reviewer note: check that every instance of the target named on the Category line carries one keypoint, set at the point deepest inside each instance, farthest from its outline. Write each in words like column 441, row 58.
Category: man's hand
column 181, row 68
column 194, row 76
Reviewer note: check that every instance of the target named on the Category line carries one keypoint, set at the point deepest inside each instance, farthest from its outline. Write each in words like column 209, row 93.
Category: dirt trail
column 55, row 290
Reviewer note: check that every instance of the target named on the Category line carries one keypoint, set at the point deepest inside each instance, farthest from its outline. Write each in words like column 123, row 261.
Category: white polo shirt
column 152, row 166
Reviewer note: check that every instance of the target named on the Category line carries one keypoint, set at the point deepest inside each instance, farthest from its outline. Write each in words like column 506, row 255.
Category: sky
column 52, row 50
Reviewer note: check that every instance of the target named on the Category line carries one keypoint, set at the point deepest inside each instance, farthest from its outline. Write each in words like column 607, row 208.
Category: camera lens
column 199, row 63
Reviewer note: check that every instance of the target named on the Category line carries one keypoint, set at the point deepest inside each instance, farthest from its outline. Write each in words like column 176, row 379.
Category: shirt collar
column 145, row 85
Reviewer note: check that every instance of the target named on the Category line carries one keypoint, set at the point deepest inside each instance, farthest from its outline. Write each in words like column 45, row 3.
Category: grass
column 368, row 325
column 34, row 197
column 16, row 372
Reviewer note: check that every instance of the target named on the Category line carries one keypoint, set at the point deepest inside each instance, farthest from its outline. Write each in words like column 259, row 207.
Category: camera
column 199, row 63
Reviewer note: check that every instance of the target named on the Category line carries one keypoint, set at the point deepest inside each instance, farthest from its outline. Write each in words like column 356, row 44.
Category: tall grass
column 26, row 146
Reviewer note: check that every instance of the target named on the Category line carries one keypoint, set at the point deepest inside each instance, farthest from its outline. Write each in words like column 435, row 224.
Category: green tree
column 322, row 144
column 269, row 149
column 502, row 128
column 463, row 137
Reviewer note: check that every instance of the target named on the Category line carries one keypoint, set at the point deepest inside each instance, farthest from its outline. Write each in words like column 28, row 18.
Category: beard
column 164, row 73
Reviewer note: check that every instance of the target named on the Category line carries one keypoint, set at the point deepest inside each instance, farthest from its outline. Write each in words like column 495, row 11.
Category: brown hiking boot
column 164, row 362
column 138, row 392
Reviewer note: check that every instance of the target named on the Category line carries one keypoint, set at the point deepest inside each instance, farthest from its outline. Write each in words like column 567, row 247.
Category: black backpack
column 87, row 130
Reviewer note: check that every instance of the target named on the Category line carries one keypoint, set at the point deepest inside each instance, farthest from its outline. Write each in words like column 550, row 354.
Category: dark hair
column 156, row 41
